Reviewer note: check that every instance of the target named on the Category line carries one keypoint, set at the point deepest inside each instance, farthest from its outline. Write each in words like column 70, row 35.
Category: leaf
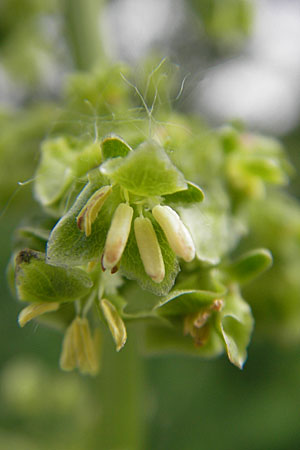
column 167, row 339
column 67, row 244
column 133, row 268
column 38, row 281
column 62, row 161
column 147, row 171
column 184, row 302
column 115, row 323
column 250, row 265
column 236, row 324
column 113, row 146
column 193, row 194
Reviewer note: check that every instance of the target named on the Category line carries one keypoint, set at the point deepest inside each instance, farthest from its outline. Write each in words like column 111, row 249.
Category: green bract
column 236, row 324
column 147, row 171
column 62, row 162
column 38, row 281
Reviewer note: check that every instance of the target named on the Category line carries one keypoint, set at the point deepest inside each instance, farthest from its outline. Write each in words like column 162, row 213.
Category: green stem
column 121, row 397
column 83, row 31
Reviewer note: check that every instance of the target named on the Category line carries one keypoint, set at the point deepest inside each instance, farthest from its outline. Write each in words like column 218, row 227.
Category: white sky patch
column 262, row 87
column 132, row 27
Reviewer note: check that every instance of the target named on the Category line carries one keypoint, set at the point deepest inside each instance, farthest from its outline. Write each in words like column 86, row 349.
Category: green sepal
column 184, row 302
column 62, row 161
column 249, row 266
column 147, row 171
column 37, row 281
column 113, row 146
column 193, row 194
column 67, row 244
column 235, row 323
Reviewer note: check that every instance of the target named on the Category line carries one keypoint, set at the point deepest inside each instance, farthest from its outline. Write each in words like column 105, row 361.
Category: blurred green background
column 146, row 403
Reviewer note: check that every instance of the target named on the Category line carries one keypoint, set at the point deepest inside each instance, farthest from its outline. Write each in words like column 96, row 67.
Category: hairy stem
column 83, row 31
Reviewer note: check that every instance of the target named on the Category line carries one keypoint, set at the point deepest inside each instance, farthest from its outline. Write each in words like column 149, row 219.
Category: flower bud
column 90, row 211
column 117, row 236
column 149, row 249
column 177, row 234
column 34, row 310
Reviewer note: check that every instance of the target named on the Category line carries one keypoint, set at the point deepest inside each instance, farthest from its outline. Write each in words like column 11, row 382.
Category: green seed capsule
column 177, row 234
column 149, row 249
column 117, row 236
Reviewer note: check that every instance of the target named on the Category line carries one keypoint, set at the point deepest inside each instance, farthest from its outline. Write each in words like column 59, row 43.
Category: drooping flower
column 80, row 349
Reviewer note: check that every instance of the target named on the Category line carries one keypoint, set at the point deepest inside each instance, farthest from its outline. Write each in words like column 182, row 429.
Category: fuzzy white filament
column 117, row 236
column 149, row 249
column 177, row 234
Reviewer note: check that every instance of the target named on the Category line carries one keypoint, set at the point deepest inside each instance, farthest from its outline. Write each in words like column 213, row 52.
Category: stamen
column 34, row 310
column 90, row 211
column 149, row 249
column 117, row 236
column 178, row 236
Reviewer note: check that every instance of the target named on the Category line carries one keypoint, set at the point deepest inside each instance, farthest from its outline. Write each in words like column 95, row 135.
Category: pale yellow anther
column 117, row 236
column 34, row 310
column 115, row 323
column 80, row 349
column 91, row 209
column 178, row 236
column 149, row 249
column 68, row 357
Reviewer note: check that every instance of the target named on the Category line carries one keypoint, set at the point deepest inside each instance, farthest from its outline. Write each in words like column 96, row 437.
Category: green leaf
column 236, row 324
column 147, row 171
column 62, row 161
column 67, row 244
column 169, row 339
column 193, row 194
column 249, row 265
column 133, row 268
column 113, row 146
column 38, row 281
column 184, row 302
